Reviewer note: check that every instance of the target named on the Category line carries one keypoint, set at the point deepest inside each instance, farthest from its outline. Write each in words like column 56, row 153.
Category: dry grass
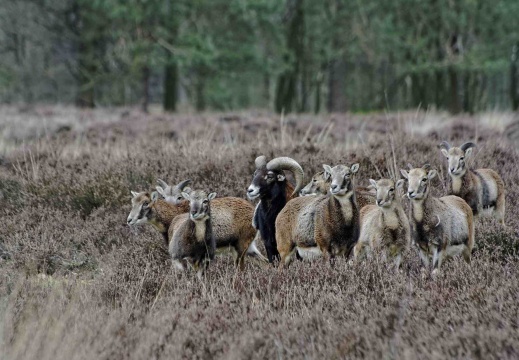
column 76, row 282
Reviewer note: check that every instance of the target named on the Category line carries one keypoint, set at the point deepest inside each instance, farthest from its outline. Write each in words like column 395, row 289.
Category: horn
column 426, row 166
column 467, row 146
column 409, row 166
column 181, row 185
column 444, row 145
column 260, row 161
column 286, row 163
column 162, row 183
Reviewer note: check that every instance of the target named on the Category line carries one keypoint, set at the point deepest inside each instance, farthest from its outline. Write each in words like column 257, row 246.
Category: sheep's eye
column 145, row 204
column 462, row 158
column 391, row 190
column 206, row 201
column 424, row 180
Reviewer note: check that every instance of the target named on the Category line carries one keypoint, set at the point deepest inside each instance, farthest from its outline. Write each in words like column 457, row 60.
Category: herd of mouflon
column 328, row 217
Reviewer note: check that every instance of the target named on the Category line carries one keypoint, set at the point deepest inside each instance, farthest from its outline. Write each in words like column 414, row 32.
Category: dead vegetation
column 76, row 282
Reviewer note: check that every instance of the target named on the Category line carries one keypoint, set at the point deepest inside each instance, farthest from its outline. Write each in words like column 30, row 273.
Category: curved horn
column 467, row 145
column 426, row 166
column 445, row 145
column 409, row 166
column 181, row 185
column 286, row 163
column 260, row 161
column 162, row 183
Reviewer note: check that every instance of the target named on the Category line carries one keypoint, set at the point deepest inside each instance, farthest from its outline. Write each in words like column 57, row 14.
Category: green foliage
column 292, row 54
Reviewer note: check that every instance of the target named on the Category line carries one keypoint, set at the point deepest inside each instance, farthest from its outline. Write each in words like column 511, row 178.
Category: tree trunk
column 455, row 103
column 514, row 77
column 85, row 94
column 145, row 89
column 200, row 94
column 87, row 68
column 336, row 86
column 286, row 85
column 439, row 97
column 171, row 79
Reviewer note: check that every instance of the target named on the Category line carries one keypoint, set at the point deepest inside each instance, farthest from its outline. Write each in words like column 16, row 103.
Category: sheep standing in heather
column 441, row 227
column 321, row 224
column 269, row 184
column 384, row 226
column 192, row 241
column 232, row 222
column 482, row 189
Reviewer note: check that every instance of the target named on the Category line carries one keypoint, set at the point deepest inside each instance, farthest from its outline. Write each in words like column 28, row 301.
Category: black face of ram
column 263, row 181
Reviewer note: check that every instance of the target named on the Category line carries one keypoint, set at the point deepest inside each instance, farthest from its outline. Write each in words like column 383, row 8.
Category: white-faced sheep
column 328, row 224
column 482, row 189
column 384, row 226
column 441, row 227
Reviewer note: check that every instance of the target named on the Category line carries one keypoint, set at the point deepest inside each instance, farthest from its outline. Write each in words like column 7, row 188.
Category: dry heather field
column 77, row 283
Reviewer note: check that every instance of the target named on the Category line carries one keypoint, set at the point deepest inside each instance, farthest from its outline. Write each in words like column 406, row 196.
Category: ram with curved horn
column 173, row 194
column 482, row 189
column 270, row 186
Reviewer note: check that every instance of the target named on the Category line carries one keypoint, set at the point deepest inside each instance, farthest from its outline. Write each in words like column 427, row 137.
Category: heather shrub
column 77, row 283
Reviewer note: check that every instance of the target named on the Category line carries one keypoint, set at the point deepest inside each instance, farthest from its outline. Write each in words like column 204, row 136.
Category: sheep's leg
column 239, row 260
column 272, row 252
column 499, row 211
column 467, row 254
column 359, row 250
column 437, row 258
column 424, row 256
column 398, row 261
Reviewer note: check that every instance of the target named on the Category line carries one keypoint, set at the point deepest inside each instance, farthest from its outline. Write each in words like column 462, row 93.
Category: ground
column 77, row 283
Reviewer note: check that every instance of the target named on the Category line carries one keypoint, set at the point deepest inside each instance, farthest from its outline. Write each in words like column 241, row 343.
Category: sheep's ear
column 281, row 177
column 185, row 195
column 160, row 191
column 431, row 174
column 134, row 193
column 327, row 171
column 404, row 173
column 400, row 183
column 187, row 190
column 467, row 145
column 354, row 168
column 468, row 152
column 445, row 152
column 373, row 183
column 211, row 196
column 154, row 196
